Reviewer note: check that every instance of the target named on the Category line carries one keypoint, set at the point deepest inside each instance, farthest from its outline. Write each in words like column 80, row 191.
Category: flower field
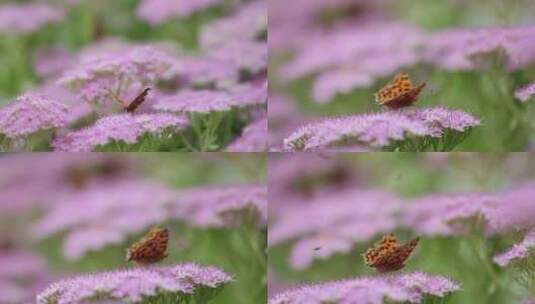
column 267, row 151
column 110, row 76
column 470, row 218
column 68, row 226
column 344, row 73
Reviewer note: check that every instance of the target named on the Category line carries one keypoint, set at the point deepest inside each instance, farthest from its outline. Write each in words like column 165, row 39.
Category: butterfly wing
column 399, row 86
column 137, row 101
column 395, row 259
column 384, row 247
column 151, row 248
column 399, row 93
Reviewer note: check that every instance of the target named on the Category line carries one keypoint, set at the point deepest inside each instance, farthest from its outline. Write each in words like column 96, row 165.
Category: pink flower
column 458, row 49
column 27, row 18
column 518, row 251
column 245, row 23
column 411, row 288
column 204, row 71
column 190, row 101
column 253, row 138
column 159, row 11
column 524, row 94
column 219, row 206
column 387, row 46
column 132, row 285
column 207, row 101
column 31, row 113
column 247, row 55
column 379, row 129
column 125, row 128
column 21, row 275
column 339, row 219
column 498, row 212
column 100, row 77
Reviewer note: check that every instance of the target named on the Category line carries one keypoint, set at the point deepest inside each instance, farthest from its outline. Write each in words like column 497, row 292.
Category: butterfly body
column 132, row 106
column 137, row 101
column 151, row 248
column 399, row 93
column 387, row 255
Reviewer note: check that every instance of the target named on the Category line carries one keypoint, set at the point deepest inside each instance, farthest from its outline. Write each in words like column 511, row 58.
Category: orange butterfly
column 151, row 248
column 387, row 255
column 399, row 93
column 132, row 106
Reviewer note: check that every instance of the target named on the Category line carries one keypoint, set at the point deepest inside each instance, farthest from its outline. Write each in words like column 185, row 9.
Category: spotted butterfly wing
column 137, row 101
column 399, row 93
column 151, row 248
column 387, row 255
column 385, row 246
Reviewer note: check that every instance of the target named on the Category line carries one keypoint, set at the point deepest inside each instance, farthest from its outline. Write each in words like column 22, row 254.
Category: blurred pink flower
column 218, row 206
column 297, row 178
column 159, row 11
column 433, row 214
column 379, row 129
column 125, row 128
column 52, row 176
column 100, row 77
column 375, row 49
column 31, row 113
column 247, row 55
column 246, row 23
column 195, row 101
column 253, row 138
column 18, row 264
column 132, row 285
column 21, row 274
column 497, row 212
column 103, row 214
column 27, row 18
column 411, row 288
column 204, row 71
column 525, row 93
column 458, row 48
column 306, row 250
column 518, row 251
column 293, row 23
column 341, row 218
column 77, row 108
column 239, row 97
column 343, row 80
column 52, row 61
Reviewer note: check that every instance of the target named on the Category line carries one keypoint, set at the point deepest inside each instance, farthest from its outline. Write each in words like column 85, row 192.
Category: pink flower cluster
column 104, row 214
column 405, row 288
column 379, row 129
column 28, row 18
column 159, row 11
column 125, row 128
column 31, row 113
column 132, row 285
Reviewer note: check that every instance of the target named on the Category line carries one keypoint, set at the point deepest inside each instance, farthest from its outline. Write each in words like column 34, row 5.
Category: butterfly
column 387, row 255
column 399, row 93
column 151, row 248
column 132, row 106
